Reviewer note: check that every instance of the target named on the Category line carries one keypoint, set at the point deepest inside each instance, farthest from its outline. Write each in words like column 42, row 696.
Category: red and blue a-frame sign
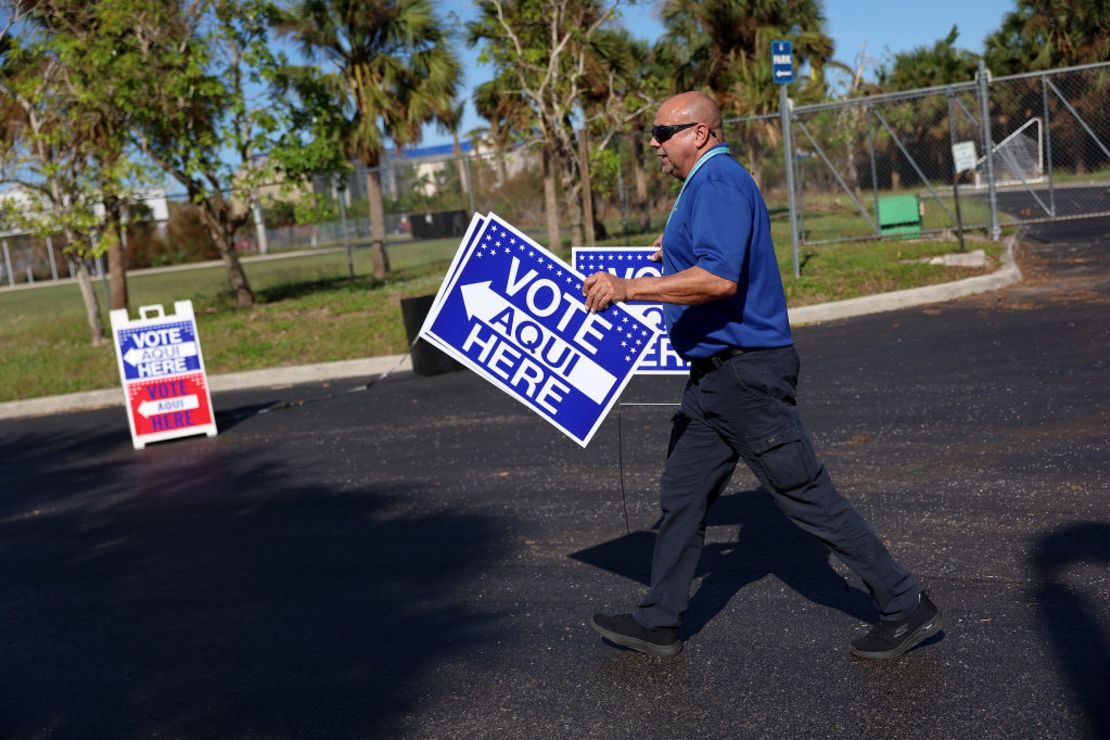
column 162, row 371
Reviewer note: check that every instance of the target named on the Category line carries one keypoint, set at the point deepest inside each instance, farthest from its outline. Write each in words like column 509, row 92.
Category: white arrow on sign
column 168, row 405
column 782, row 73
column 587, row 376
column 135, row 355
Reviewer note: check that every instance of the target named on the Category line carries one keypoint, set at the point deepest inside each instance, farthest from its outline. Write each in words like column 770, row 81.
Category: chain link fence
column 1044, row 156
column 863, row 168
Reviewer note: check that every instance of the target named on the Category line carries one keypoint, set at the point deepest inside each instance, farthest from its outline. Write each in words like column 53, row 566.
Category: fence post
column 874, row 168
column 1048, row 147
column 784, row 111
column 955, row 175
column 988, row 146
column 8, row 265
column 470, row 184
column 259, row 224
column 587, row 196
column 623, row 196
column 50, row 254
column 27, row 264
column 340, row 190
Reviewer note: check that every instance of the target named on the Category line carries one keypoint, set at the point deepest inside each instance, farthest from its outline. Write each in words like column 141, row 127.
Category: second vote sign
column 514, row 313
column 633, row 262
column 162, row 372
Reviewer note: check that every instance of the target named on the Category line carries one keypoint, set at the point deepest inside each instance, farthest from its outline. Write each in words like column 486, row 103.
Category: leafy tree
column 626, row 83
column 540, row 50
column 201, row 110
column 448, row 119
column 922, row 124
column 723, row 47
column 1043, row 34
column 398, row 70
column 98, row 54
column 927, row 66
column 507, row 112
column 46, row 151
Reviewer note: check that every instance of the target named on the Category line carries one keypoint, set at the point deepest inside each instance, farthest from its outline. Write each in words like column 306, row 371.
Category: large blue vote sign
column 514, row 313
column 633, row 262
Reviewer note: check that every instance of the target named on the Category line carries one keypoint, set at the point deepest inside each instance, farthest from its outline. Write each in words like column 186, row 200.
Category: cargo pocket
column 786, row 458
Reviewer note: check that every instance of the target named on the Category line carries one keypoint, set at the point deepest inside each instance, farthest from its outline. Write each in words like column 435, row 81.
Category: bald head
column 686, row 126
column 692, row 107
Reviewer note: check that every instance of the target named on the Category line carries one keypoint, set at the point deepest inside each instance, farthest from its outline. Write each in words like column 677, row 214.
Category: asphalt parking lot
column 421, row 557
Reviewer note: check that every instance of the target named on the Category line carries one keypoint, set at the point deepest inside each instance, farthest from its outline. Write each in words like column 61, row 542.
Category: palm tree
column 1042, row 34
column 723, row 47
column 448, row 119
column 399, row 69
column 507, row 113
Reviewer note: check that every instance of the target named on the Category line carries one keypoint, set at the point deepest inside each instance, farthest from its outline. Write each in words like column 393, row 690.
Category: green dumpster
column 900, row 215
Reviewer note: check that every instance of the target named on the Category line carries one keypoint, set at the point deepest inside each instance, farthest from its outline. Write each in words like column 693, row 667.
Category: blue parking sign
column 782, row 62
column 632, row 262
column 514, row 313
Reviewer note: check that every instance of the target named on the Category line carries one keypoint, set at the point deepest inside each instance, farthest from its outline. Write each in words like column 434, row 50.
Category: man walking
column 726, row 313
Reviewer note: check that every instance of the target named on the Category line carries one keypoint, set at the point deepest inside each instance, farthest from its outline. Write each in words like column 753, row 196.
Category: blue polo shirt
column 721, row 224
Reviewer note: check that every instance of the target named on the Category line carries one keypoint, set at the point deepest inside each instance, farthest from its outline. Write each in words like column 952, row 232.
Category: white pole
column 50, row 254
column 788, row 145
column 8, row 264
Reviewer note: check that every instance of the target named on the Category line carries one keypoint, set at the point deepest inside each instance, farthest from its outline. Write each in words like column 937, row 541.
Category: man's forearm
column 689, row 287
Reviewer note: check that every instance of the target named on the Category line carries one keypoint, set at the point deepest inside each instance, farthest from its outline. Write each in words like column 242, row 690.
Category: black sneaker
column 891, row 639
column 624, row 630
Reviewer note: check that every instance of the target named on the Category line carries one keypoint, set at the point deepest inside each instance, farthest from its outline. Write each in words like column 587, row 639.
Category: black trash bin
column 427, row 359
column 438, row 224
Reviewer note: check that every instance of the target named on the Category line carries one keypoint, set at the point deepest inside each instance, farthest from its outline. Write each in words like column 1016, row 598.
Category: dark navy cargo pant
column 746, row 409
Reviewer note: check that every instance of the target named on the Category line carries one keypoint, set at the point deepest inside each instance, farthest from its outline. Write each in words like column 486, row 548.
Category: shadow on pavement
column 190, row 591
column 1069, row 618
column 227, row 419
column 766, row 544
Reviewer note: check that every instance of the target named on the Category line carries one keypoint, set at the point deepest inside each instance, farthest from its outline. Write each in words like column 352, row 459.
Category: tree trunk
column 498, row 152
column 600, row 232
column 223, row 234
column 639, row 178
column 378, row 256
column 92, row 304
column 117, row 262
column 237, row 278
column 572, row 190
column 550, row 198
column 457, row 149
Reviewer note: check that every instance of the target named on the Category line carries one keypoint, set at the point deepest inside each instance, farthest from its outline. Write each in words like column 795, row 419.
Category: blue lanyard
column 719, row 149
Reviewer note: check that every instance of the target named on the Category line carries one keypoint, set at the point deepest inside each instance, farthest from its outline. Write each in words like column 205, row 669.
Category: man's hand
column 658, row 244
column 602, row 289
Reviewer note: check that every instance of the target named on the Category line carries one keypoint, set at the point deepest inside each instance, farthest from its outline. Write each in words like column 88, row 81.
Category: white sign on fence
column 963, row 156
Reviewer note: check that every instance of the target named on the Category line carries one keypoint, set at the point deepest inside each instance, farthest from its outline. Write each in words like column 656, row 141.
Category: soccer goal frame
column 1001, row 151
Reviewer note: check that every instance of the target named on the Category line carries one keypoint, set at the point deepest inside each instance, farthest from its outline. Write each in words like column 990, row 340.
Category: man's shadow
column 1069, row 614
column 766, row 543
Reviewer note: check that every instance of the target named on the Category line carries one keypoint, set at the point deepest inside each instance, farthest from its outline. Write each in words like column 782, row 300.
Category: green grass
column 309, row 310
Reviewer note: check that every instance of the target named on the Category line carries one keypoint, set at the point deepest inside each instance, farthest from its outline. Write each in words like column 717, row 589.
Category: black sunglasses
column 664, row 133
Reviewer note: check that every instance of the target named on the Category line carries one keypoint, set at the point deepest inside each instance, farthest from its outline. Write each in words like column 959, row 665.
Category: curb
column 1008, row 274
column 269, row 378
